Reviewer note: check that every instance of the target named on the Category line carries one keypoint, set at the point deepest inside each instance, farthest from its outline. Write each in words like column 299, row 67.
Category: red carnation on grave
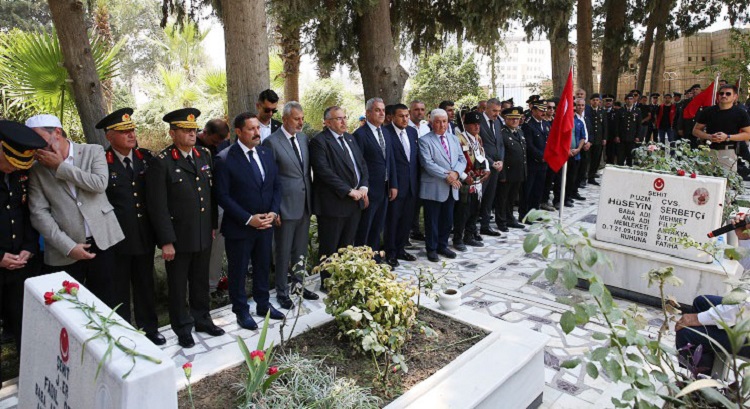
column 188, row 368
column 693, row 175
column 223, row 284
column 71, row 287
column 258, row 354
column 273, row 370
column 680, row 172
column 50, row 297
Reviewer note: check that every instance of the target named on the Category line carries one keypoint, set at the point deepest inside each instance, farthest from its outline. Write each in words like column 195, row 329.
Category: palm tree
column 184, row 47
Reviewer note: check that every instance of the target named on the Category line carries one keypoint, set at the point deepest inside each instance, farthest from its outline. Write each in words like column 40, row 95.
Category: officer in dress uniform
column 19, row 242
column 627, row 131
column 597, row 136
column 126, row 192
column 611, row 128
column 514, row 169
column 535, row 131
column 184, row 215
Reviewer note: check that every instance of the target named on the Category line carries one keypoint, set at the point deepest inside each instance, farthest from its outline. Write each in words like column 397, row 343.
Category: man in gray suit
column 492, row 141
column 69, row 207
column 443, row 165
column 290, row 148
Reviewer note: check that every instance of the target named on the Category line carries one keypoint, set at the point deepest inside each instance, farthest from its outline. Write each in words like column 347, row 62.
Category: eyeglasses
column 338, row 118
column 726, row 94
column 270, row 110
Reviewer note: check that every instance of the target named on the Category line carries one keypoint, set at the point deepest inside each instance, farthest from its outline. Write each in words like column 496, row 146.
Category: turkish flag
column 557, row 151
column 699, row 101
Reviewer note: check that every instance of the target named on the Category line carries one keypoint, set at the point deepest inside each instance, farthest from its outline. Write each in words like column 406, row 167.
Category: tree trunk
column 648, row 41
column 612, row 45
column 493, row 71
column 68, row 17
column 585, row 58
column 661, row 13
column 378, row 60
column 290, row 53
column 560, row 46
column 246, row 50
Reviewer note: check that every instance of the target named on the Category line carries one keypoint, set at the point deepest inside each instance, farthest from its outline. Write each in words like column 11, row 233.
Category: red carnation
column 272, row 370
column 50, row 297
column 693, row 175
column 71, row 287
column 258, row 354
column 188, row 368
column 680, row 172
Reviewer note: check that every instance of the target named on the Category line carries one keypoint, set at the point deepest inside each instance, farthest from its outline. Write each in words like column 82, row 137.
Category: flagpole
column 716, row 88
column 564, row 169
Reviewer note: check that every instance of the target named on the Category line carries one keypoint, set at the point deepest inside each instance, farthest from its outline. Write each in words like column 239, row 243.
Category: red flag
column 699, row 101
column 557, row 151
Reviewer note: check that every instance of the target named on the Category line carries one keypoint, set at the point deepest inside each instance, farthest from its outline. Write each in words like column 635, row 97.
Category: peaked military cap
column 119, row 120
column 695, row 86
column 540, row 105
column 595, row 95
column 533, row 98
column 655, row 94
column 19, row 143
column 609, row 97
column 508, row 101
column 514, row 112
column 473, row 117
column 668, row 94
column 183, row 118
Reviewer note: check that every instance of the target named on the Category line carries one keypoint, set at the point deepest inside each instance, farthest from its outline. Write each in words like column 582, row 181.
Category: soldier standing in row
column 126, row 191
column 183, row 213
column 628, row 126
column 597, row 137
column 19, row 242
column 514, row 169
column 611, row 108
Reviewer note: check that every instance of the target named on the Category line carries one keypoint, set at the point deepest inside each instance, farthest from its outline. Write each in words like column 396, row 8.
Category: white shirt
column 422, row 128
column 295, row 143
column 71, row 160
column 122, row 158
column 728, row 314
column 265, row 130
column 489, row 121
column 404, row 138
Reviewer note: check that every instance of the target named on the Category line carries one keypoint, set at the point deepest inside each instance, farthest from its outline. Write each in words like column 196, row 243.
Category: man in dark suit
column 535, row 130
column 339, row 185
column 183, row 214
column 404, row 140
column 19, row 242
column 126, row 191
column 267, row 104
column 377, row 150
column 492, row 142
column 513, row 174
column 249, row 190
column 290, row 148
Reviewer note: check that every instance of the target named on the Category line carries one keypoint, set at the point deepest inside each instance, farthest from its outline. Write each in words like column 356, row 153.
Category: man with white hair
column 443, row 165
column 69, row 207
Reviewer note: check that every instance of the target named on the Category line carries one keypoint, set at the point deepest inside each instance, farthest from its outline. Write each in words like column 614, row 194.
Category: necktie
column 492, row 127
column 405, row 142
column 192, row 164
column 445, row 146
column 347, row 158
column 256, row 168
column 381, row 141
column 128, row 168
column 296, row 152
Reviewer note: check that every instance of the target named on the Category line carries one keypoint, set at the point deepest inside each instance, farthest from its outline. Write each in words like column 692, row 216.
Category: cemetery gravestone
column 638, row 209
column 57, row 373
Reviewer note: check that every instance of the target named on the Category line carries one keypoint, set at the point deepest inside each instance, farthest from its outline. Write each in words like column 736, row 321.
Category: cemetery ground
column 493, row 280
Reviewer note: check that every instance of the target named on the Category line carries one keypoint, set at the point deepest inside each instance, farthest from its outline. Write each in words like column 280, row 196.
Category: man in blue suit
column 535, row 130
column 400, row 215
column 249, row 190
column 443, row 166
column 377, row 151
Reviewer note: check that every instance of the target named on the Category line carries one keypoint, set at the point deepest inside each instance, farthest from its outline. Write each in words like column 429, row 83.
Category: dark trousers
column 372, row 222
column 417, row 210
column 465, row 217
column 11, row 296
column 625, row 153
column 438, row 222
column 136, row 271
column 398, row 221
column 335, row 233
column 187, row 278
column 549, row 182
column 571, row 186
column 489, row 191
column 696, row 336
column 533, row 190
column 596, row 160
column 291, row 240
column 583, row 167
column 507, row 193
column 240, row 252
column 611, row 152
column 96, row 273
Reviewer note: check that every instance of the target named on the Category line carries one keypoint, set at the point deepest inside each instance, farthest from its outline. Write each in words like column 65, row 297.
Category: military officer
column 19, row 242
column 535, row 131
column 597, row 136
column 514, row 169
column 466, row 210
column 178, row 193
column 627, row 131
column 611, row 125
column 126, row 191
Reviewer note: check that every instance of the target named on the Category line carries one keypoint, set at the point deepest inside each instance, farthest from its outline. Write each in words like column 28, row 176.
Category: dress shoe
column 393, row 262
column 489, row 232
column 503, row 229
column 478, row 237
column 285, row 303
column 459, row 245
column 156, row 337
column 582, row 184
column 568, row 203
column 547, row 207
column 406, row 256
column 578, row 197
column 274, row 315
column 446, row 252
column 432, row 256
column 212, row 330
column 247, row 322
column 186, row 341
column 309, row 295
column 408, row 244
column 417, row 235
column 593, row 182
column 516, row 225
column 470, row 241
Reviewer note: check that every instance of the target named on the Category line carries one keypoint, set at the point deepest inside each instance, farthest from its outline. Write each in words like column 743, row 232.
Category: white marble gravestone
column 57, row 373
column 636, row 207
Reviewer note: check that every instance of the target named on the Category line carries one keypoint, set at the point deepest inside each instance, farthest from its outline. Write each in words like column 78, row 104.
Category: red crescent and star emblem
column 659, row 184
column 64, row 345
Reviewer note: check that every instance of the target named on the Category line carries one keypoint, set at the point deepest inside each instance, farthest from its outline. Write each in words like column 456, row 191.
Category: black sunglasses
column 726, row 94
column 270, row 110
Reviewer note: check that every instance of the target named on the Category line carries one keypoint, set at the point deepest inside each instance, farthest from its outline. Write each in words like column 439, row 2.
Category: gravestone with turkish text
column 653, row 211
column 57, row 372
